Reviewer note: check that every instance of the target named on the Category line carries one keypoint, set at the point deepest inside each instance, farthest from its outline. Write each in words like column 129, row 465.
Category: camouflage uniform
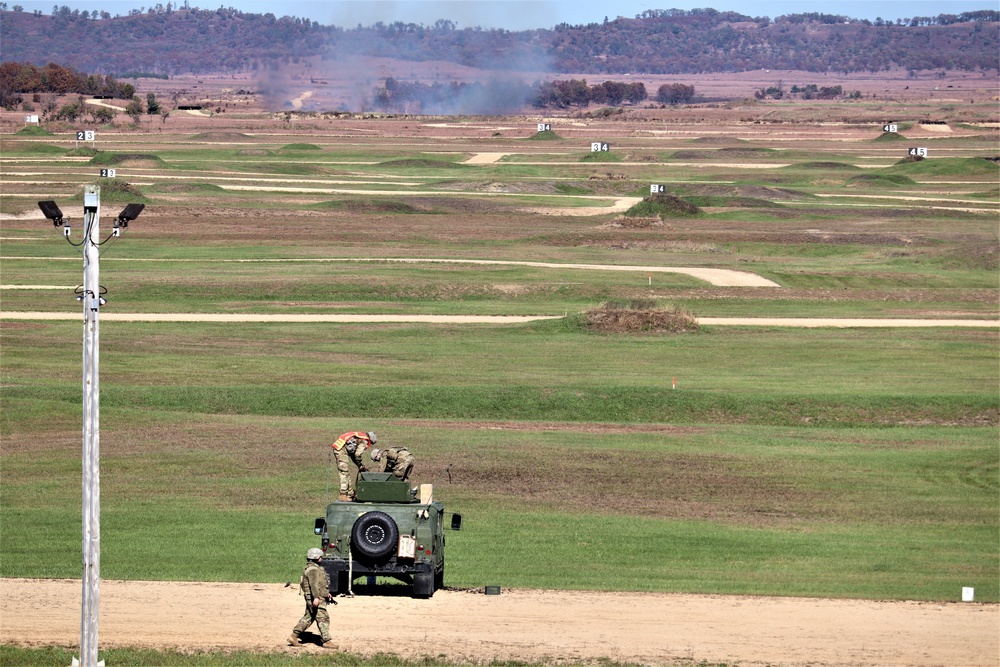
column 314, row 585
column 347, row 448
column 398, row 461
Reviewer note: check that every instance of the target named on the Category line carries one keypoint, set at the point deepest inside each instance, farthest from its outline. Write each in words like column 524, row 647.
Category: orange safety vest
column 339, row 443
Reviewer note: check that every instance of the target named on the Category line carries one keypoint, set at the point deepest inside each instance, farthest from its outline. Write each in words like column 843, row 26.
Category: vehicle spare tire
column 374, row 535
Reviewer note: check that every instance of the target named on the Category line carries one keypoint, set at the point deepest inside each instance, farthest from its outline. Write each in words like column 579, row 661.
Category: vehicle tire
column 423, row 584
column 374, row 535
column 338, row 583
column 342, row 583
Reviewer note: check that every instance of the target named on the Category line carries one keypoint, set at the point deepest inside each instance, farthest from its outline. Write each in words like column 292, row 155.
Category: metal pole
column 90, row 610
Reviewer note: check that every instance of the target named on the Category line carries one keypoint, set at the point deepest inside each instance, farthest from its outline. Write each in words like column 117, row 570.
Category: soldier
column 315, row 587
column 349, row 447
column 398, row 461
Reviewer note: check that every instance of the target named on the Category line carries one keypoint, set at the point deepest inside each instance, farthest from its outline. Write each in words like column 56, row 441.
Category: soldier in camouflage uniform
column 348, row 448
column 315, row 587
column 398, row 461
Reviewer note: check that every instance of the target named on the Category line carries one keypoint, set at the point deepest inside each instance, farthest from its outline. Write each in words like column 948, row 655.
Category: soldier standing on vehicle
column 315, row 587
column 347, row 448
column 398, row 461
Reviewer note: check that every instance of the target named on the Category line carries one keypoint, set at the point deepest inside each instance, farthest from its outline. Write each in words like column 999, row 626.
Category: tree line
column 499, row 97
column 170, row 39
column 17, row 79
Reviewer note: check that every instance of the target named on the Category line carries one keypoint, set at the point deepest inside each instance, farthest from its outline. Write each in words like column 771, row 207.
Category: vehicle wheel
column 423, row 584
column 374, row 535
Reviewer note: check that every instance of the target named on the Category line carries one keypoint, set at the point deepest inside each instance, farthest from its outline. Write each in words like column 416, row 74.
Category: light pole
column 91, row 297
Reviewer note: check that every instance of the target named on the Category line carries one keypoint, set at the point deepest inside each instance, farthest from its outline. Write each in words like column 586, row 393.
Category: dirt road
column 804, row 322
column 543, row 626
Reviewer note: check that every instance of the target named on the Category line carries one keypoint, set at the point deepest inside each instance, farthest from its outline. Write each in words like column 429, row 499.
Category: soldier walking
column 315, row 587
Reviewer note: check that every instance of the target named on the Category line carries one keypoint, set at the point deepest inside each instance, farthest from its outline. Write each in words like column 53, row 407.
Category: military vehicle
column 389, row 530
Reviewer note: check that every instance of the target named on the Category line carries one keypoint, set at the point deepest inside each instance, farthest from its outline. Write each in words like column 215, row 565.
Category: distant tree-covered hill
column 166, row 40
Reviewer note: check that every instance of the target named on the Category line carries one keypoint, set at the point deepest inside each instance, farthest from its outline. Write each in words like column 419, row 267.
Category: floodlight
column 130, row 213
column 51, row 211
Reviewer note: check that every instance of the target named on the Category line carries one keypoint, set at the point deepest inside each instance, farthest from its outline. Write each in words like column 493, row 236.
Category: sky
column 524, row 14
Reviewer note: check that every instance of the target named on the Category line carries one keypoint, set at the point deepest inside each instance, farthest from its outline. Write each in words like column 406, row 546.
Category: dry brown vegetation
column 639, row 317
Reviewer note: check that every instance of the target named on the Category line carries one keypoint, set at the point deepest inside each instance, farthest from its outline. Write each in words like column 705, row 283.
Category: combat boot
column 344, row 498
column 293, row 639
column 329, row 645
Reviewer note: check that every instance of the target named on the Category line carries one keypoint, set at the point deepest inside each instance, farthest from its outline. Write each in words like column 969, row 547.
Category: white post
column 90, row 610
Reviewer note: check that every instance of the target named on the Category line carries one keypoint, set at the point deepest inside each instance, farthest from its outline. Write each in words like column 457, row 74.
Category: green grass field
column 803, row 462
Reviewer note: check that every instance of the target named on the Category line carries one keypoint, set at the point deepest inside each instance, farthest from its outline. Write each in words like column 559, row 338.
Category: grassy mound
column 748, row 151
column 422, row 163
column 545, row 135
column 690, row 155
column 881, row 180
column 639, row 317
column 368, row 206
column 825, row 165
column 82, row 151
column 255, row 152
column 25, row 148
column 740, row 202
column 662, row 206
column 33, row 131
column 119, row 190
column 301, row 147
column 601, row 156
column 947, row 166
column 890, row 136
column 189, row 188
column 109, row 159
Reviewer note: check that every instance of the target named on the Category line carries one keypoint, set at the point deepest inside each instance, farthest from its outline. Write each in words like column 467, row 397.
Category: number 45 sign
column 918, row 152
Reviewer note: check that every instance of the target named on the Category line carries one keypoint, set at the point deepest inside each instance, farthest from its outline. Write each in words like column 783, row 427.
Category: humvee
column 389, row 530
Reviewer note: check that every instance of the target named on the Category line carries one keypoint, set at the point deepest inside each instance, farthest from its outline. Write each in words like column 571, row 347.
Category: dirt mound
column 144, row 160
column 634, row 223
column 716, row 140
column 745, row 151
column 221, row 136
column 662, row 206
column 639, row 317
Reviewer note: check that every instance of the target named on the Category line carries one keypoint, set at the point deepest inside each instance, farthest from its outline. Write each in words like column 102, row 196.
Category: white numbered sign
column 31, row 119
column 107, row 173
column 891, row 127
column 545, row 127
column 656, row 189
column 919, row 152
column 597, row 147
column 87, row 135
